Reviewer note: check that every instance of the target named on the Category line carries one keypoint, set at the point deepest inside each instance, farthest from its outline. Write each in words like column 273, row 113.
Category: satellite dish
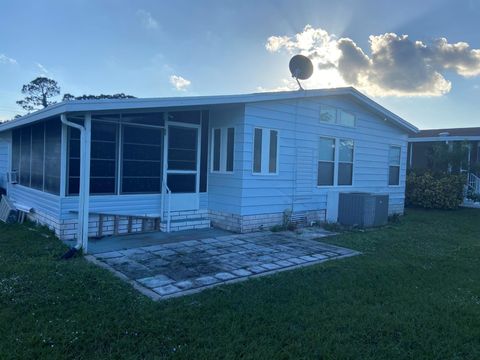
column 301, row 68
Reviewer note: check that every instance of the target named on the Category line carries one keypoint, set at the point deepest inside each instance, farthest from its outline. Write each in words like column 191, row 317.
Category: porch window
column 223, row 149
column 103, row 162
column 142, row 150
column 36, row 155
column 265, row 151
column 394, row 165
column 38, row 144
column 335, row 162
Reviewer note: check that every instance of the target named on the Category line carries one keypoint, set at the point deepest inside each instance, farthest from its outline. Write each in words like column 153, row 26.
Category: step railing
column 166, row 191
column 474, row 183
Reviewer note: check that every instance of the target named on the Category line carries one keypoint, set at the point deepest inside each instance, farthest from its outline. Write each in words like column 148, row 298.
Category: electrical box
column 361, row 209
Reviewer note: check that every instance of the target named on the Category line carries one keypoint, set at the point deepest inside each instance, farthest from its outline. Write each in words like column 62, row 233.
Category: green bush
column 435, row 191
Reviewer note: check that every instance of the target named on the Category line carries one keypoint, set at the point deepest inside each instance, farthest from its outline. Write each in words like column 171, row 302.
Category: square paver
column 165, row 252
column 155, row 281
column 206, row 280
column 166, row 290
column 224, row 276
column 241, row 272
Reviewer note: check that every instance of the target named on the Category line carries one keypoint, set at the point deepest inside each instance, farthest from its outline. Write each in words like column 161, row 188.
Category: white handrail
column 169, row 205
column 474, row 182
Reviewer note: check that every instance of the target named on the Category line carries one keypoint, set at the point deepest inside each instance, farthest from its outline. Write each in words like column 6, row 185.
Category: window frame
column 338, row 116
column 223, row 146
column 265, row 158
column 399, row 165
column 336, row 162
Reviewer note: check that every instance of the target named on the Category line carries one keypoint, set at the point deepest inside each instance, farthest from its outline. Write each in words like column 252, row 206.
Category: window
column 346, row 118
column 73, row 184
column 53, row 150
column 394, row 165
column 331, row 115
column 335, row 162
column 223, row 149
column 326, row 162
column 36, row 155
column 38, row 142
column 230, row 148
column 142, row 160
column 217, row 135
column 265, row 151
column 103, row 158
column 345, row 162
column 25, row 155
column 328, row 114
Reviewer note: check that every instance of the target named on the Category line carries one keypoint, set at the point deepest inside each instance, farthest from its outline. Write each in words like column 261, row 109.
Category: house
column 422, row 143
column 238, row 162
column 425, row 152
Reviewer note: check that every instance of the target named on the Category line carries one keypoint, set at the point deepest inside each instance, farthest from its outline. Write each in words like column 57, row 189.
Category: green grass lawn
column 413, row 294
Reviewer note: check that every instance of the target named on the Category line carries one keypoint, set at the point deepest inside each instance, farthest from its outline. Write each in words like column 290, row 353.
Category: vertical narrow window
column 16, row 151
column 216, row 149
column 142, row 154
column 265, row 151
column 223, row 143
column 73, row 161
column 230, row 148
column 103, row 163
column 204, row 152
column 394, row 165
column 272, row 161
column 345, row 162
column 53, row 149
column 326, row 162
column 25, row 155
column 257, row 151
column 38, row 142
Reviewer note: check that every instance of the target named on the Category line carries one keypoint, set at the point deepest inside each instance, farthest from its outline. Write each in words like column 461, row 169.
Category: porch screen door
column 183, row 166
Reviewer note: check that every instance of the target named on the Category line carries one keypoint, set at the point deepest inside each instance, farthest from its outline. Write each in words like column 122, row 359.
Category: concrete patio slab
column 166, row 270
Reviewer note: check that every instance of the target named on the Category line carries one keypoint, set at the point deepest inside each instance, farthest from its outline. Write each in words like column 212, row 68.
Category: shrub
column 435, row 191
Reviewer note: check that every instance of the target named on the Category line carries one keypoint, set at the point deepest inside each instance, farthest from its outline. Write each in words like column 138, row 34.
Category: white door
column 183, row 165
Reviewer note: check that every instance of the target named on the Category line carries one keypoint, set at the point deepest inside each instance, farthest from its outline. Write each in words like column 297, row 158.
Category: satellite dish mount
column 301, row 68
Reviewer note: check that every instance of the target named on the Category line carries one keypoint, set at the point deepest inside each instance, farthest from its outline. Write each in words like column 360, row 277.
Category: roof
column 149, row 103
column 451, row 134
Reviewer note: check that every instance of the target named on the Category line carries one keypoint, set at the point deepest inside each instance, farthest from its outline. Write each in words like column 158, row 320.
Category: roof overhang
column 77, row 106
column 443, row 138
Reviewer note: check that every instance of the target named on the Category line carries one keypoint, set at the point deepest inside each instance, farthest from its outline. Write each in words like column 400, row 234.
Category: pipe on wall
column 84, row 187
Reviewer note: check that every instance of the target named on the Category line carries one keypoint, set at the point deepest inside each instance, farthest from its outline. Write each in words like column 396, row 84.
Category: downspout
column 84, row 186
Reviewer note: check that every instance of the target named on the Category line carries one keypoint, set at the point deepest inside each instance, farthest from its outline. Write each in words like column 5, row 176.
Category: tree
column 68, row 97
column 39, row 92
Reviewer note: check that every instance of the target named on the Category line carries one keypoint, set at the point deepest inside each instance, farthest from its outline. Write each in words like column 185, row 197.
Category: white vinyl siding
column 265, row 151
column 223, row 140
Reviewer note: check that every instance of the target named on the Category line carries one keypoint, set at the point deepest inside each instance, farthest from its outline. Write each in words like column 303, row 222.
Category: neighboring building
column 237, row 162
column 422, row 144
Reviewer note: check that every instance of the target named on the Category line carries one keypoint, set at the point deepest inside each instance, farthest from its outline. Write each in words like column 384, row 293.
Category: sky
column 419, row 59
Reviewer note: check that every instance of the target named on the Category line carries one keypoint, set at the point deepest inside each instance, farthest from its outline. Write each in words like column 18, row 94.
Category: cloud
column 42, row 69
column 179, row 83
column 147, row 20
column 395, row 65
column 4, row 59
